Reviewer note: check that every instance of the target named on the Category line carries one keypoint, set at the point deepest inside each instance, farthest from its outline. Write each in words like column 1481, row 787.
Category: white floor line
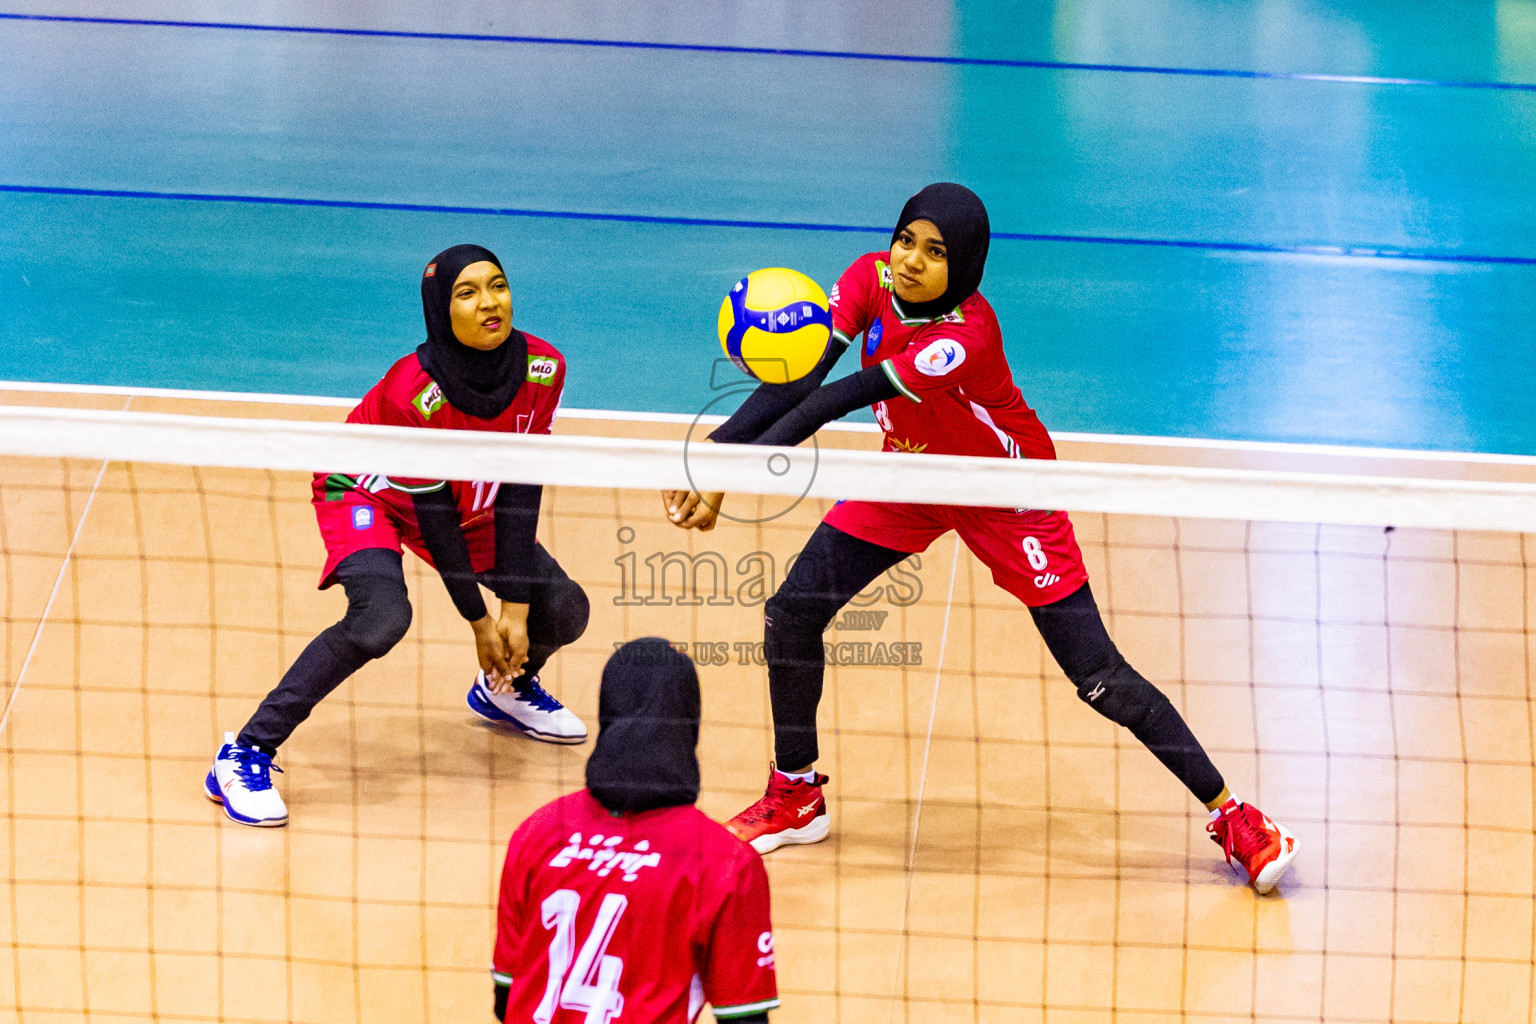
column 922, row 779
column 58, row 581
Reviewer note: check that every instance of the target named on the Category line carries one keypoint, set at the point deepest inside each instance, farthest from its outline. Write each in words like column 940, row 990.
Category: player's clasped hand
column 692, row 510
column 501, row 644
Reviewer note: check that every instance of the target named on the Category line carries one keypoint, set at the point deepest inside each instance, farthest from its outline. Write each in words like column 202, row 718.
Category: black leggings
column 378, row 615
column 835, row 566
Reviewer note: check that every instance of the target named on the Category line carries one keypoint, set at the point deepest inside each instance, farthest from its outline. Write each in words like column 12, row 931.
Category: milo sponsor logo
column 541, row 369
column 429, row 401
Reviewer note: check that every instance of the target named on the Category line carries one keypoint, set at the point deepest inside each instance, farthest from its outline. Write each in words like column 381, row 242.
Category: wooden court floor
column 1000, row 853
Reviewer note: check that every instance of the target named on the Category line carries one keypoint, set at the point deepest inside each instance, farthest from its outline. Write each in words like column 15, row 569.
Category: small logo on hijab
column 431, row 270
column 940, row 357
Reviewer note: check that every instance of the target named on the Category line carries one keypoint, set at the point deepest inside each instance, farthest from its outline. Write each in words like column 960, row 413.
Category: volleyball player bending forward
column 474, row 372
column 623, row 901
column 934, row 370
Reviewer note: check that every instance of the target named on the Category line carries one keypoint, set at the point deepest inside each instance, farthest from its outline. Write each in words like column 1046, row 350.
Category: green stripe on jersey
column 747, row 1009
column 890, row 371
column 338, row 484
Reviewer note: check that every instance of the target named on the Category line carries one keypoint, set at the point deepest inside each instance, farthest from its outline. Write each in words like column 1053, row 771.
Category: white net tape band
column 1241, row 494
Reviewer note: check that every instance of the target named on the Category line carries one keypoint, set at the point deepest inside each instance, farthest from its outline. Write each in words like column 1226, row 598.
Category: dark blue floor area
column 1105, row 335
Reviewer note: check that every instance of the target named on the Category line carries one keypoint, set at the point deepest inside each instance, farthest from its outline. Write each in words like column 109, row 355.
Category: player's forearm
column 437, row 514
column 829, row 403
column 768, row 404
column 517, row 525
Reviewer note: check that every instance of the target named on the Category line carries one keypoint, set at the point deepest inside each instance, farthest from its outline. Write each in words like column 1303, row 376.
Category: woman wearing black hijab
column 474, row 372
column 935, row 372
column 678, row 904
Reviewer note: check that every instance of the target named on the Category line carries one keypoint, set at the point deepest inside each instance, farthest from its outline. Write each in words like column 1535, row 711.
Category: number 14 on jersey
column 591, row 982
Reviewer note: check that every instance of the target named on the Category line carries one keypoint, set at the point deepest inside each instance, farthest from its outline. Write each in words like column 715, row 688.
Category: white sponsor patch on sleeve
column 940, row 357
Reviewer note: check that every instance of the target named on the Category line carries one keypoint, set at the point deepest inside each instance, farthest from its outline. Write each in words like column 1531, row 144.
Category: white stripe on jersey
column 1009, row 445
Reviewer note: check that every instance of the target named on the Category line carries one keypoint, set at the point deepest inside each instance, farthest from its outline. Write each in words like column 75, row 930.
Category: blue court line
column 1350, row 251
column 907, row 58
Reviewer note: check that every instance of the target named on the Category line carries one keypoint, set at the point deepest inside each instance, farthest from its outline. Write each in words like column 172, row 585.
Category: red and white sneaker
column 792, row 813
column 1248, row 837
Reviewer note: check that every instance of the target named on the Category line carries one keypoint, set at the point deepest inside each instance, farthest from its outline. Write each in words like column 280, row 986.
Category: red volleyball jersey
column 957, row 393
column 408, row 397
column 636, row 917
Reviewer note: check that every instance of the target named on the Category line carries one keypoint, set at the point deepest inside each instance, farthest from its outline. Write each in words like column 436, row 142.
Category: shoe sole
column 491, row 713
column 211, row 791
column 1271, row 873
column 819, row 828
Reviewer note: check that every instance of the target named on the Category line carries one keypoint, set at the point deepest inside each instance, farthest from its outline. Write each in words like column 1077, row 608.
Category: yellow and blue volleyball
column 775, row 325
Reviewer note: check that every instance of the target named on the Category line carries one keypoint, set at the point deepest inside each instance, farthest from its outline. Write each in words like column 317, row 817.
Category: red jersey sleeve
column 739, row 977
column 940, row 358
column 405, row 397
column 546, row 376
column 392, row 401
column 856, row 298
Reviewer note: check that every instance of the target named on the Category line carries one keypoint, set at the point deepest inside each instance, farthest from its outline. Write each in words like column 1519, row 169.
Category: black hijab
column 961, row 218
column 648, row 713
column 481, row 384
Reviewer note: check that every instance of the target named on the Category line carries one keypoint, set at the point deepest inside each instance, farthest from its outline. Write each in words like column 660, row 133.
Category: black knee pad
column 800, row 608
column 377, row 623
column 570, row 613
column 786, row 613
column 792, row 630
column 1123, row 695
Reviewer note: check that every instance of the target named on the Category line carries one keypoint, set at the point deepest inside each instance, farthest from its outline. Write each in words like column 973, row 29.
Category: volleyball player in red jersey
column 935, row 372
column 474, row 372
column 623, row 901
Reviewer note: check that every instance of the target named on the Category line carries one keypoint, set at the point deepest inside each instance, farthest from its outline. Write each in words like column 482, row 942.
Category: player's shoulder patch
column 542, row 369
column 883, row 272
column 429, row 400
column 940, row 357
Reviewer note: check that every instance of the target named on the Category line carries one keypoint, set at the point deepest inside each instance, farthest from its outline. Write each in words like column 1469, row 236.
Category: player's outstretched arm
column 830, row 402
column 516, row 510
column 437, row 514
column 768, row 402
column 691, row 510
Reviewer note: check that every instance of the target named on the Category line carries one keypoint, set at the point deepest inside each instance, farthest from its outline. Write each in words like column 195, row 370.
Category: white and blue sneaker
column 532, row 711
column 241, row 780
